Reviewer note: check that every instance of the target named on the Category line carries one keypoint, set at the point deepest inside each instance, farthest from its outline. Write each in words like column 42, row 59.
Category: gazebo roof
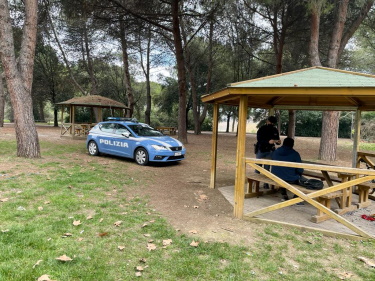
column 94, row 101
column 311, row 88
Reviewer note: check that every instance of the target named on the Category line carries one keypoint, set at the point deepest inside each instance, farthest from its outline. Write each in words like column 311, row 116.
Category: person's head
column 289, row 142
column 272, row 120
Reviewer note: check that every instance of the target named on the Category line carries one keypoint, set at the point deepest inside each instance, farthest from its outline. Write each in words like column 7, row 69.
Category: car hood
column 166, row 141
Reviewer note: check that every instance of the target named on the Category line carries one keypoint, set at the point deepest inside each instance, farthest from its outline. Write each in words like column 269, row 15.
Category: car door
column 123, row 140
column 105, row 137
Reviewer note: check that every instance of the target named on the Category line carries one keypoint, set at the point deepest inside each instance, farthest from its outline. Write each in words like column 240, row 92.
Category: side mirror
column 126, row 134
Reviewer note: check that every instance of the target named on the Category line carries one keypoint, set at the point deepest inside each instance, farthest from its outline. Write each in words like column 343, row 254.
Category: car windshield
column 144, row 131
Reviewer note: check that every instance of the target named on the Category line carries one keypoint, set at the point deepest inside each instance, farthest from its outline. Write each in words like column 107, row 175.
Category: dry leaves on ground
column 367, row 261
column 64, row 258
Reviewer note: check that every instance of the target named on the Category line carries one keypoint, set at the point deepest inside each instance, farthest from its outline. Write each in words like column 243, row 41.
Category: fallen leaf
column 89, row 218
column 118, row 223
column 193, row 231
column 4, row 230
column 147, row 235
column 76, row 223
column 101, row 220
column 80, row 239
column 4, row 199
column 44, row 277
column 194, row 244
column 203, row 197
column 143, row 260
column 37, row 263
column 64, row 258
column 47, row 202
column 138, row 274
column 151, row 240
column 145, row 224
column 103, row 234
column 151, row 246
column 139, row 268
column 40, row 208
column 167, row 242
column 66, row 235
column 152, row 221
column 367, row 261
column 121, row 248
column 345, row 275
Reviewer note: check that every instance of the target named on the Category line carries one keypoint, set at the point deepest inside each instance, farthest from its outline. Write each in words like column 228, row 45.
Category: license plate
column 177, row 154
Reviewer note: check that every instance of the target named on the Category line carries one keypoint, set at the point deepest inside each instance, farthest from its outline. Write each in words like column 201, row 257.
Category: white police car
column 128, row 138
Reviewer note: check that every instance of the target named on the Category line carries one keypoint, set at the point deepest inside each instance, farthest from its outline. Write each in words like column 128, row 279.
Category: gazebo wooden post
column 73, row 116
column 356, row 137
column 214, row 144
column 239, row 188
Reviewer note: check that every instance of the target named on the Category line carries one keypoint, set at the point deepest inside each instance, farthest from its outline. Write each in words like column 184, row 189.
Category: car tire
column 141, row 156
column 93, row 148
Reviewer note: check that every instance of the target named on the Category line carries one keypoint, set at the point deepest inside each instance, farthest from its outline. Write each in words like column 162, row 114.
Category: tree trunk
column 90, row 67
column 330, row 125
column 314, row 34
column 125, row 60
column 328, row 143
column 2, row 101
column 228, row 122
column 19, row 77
column 148, row 85
column 292, row 124
column 182, row 130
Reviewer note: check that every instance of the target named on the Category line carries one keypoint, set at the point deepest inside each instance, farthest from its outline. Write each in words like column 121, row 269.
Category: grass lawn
column 61, row 205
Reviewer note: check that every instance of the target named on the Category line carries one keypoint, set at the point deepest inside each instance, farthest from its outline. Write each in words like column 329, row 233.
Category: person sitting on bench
column 288, row 174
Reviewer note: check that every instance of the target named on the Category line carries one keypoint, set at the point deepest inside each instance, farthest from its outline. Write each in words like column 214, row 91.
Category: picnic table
column 166, row 129
column 320, row 199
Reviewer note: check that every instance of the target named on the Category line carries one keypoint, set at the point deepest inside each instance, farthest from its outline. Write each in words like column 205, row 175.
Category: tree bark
column 125, row 60
column 314, row 33
column 2, row 101
column 181, row 74
column 19, row 77
column 292, row 124
column 146, row 71
column 330, row 122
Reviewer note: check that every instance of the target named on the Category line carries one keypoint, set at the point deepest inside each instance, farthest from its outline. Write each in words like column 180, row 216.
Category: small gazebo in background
column 96, row 105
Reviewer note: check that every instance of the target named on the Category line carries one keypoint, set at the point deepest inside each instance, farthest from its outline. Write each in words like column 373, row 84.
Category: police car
column 128, row 138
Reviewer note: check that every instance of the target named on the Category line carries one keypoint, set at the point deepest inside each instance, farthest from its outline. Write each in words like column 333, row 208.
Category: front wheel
column 93, row 148
column 141, row 156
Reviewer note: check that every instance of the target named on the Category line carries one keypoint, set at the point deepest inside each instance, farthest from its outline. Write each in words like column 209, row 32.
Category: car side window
column 107, row 127
column 120, row 129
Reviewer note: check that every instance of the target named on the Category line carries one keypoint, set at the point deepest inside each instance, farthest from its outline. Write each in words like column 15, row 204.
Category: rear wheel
column 141, row 156
column 93, row 148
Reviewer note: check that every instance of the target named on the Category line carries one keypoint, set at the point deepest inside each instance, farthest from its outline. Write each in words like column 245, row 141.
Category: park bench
column 253, row 190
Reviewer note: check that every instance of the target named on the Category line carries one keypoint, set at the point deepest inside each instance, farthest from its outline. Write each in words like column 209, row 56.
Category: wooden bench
column 363, row 191
column 253, row 190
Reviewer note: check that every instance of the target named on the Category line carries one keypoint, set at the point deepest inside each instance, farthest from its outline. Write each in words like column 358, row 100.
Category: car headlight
column 159, row 147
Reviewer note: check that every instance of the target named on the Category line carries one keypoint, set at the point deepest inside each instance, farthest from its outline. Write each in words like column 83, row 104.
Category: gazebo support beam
column 356, row 137
column 239, row 188
column 214, row 145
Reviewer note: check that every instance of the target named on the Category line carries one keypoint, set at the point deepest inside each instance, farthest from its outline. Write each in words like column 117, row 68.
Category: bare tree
column 19, row 75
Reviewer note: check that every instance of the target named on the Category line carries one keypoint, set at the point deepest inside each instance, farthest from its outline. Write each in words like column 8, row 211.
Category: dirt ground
column 181, row 193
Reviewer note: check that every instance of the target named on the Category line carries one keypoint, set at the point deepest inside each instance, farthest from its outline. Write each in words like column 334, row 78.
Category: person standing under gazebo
column 267, row 137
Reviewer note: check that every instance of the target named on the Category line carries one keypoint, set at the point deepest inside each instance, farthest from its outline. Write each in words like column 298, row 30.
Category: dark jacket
column 286, row 153
column 264, row 135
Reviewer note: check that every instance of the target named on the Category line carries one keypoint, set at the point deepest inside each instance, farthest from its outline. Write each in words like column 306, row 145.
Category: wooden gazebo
column 315, row 88
column 96, row 103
